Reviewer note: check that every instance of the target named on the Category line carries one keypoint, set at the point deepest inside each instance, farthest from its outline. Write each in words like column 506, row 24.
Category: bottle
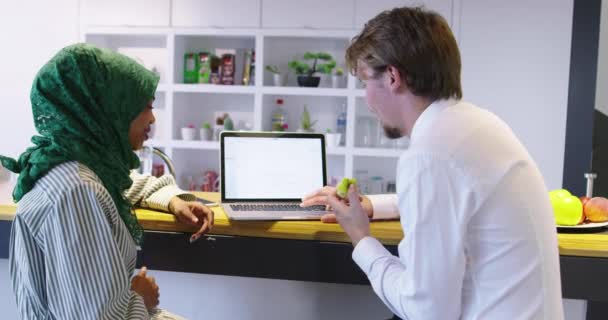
column 278, row 116
column 341, row 125
column 252, row 72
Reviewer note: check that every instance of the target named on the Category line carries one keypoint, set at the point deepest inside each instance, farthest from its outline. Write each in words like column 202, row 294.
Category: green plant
column 339, row 71
column 228, row 123
column 206, row 125
column 273, row 69
column 303, row 68
column 305, row 122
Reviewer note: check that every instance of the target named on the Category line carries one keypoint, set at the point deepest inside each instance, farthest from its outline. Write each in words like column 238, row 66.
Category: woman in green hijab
column 74, row 237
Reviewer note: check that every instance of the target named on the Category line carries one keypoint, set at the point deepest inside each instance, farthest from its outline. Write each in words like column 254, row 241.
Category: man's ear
column 395, row 78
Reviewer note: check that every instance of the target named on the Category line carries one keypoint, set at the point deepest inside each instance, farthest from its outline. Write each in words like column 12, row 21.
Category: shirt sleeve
column 90, row 279
column 148, row 191
column 425, row 281
column 384, row 205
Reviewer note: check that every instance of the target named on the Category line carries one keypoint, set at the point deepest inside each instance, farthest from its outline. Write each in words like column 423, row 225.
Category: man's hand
column 321, row 196
column 351, row 217
column 146, row 287
column 193, row 213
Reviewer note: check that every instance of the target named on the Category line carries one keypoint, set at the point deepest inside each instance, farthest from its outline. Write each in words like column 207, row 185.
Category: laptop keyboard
column 274, row 207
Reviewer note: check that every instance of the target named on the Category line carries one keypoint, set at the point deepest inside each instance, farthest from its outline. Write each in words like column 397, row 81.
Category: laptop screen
column 271, row 166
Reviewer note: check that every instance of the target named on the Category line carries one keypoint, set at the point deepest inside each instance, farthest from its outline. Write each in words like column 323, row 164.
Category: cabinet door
column 516, row 62
column 214, row 13
column 316, row 14
column 126, row 13
column 367, row 9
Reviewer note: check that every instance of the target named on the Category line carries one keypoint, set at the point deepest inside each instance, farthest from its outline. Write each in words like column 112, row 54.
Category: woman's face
column 140, row 127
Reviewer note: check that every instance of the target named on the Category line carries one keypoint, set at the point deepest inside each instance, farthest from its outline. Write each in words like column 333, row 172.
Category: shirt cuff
column 367, row 251
column 160, row 199
column 384, row 205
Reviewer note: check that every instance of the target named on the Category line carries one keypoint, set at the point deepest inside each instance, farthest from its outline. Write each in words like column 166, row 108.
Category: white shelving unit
column 178, row 104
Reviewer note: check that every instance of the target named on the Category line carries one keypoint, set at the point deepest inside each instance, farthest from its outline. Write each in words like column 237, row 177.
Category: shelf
column 126, row 30
column 292, row 91
column 185, row 144
column 214, row 145
column 378, row 152
column 336, row 151
column 195, row 144
column 213, row 88
column 300, row 91
column 162, row 87
column 359, row 92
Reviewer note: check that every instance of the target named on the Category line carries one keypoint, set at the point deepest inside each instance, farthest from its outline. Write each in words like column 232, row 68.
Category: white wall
column 601, row 91
column 32, row 31
column 516, row 63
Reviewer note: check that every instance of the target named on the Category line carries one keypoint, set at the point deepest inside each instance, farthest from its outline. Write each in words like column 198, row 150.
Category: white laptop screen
column 271, row 168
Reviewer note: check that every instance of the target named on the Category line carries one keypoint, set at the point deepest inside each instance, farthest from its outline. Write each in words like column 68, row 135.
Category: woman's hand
column 147, row 288
column 193, row 213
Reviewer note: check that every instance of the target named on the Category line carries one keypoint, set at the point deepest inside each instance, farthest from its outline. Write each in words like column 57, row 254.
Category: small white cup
column 206, row 134
column 332, row 140
column 188, row 133
column 337, row 81
column 279, row 79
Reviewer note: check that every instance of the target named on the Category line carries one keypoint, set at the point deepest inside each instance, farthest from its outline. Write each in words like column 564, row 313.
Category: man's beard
column 392, row 133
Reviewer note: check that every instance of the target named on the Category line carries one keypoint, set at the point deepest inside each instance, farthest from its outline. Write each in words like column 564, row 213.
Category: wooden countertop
column 388, row 232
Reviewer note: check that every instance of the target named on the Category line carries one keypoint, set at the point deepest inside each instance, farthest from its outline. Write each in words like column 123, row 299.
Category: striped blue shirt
column 71, row 256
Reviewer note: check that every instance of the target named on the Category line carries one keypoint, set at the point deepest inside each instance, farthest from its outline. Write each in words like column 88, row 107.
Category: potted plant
column 228, row 123
column 188, row 132
column 279, row 79
column 306, row 72
column 332, row 139
column 206, row 132
column 306, row 125
column 218, row 128
column 337, row 77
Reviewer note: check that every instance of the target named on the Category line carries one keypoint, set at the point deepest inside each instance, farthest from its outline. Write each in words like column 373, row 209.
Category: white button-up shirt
column 480, row 239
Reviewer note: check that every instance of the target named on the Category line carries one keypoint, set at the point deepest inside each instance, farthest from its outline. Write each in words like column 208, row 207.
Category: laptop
column 264, row 175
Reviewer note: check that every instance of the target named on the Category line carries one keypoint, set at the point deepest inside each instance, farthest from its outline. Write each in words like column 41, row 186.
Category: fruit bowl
column 584, row 227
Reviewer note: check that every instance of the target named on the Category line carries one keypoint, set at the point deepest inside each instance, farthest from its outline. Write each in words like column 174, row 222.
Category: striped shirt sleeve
column 149, row 191
column 89, row 278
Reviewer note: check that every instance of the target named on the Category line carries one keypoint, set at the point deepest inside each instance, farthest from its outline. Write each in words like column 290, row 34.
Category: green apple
column 559, row 193
column 568, row 209
column 342, row 187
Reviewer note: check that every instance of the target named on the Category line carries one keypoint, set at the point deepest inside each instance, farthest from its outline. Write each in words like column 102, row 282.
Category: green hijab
column 83, row 101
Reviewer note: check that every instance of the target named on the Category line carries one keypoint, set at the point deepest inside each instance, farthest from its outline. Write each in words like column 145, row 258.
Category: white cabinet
column 367, row 9
column 516, row 62
column 311, row 14
column 126, row 12
column 214, row 13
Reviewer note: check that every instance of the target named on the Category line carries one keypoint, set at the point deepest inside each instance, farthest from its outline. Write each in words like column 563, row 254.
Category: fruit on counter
column 596, row 209
column 584, row 200
column 568, row 209
column 342, row 187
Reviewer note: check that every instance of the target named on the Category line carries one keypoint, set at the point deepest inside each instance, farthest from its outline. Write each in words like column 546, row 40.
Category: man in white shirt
column 480, row 240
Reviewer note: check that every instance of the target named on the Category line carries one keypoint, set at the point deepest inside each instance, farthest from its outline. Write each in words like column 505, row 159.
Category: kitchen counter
column 388, row 232
column 314, row 251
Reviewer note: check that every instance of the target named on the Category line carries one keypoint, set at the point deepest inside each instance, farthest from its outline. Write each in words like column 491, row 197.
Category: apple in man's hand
column 343, row 186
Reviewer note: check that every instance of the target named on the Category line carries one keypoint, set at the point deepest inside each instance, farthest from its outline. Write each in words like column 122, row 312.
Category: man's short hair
column 417, row 42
